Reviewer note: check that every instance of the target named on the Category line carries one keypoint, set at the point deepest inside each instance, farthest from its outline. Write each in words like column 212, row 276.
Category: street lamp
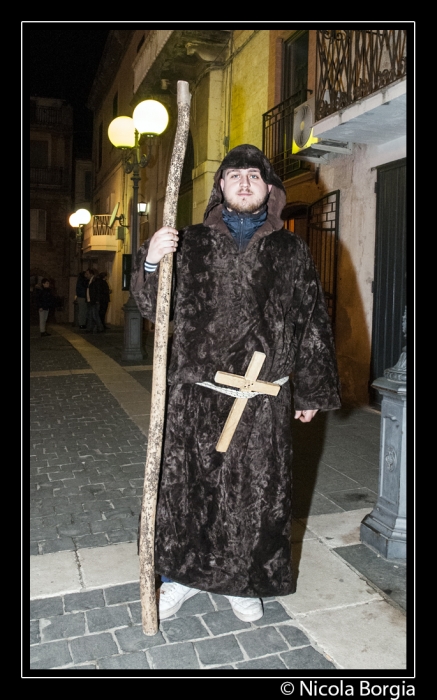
column 78, row 220
column 149, row 118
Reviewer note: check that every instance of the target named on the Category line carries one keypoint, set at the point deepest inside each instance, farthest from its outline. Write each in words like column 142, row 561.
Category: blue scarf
column 243, row 226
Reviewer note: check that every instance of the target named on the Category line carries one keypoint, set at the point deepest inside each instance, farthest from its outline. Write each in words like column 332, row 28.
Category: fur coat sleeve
column 144, row 285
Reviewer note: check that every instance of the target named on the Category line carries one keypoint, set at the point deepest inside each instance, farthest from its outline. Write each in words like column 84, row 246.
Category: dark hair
column 44, row 280
column 248, row 156
column 103, row 275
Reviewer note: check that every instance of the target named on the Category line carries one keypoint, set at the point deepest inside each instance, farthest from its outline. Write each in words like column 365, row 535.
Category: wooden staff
column 159, row 378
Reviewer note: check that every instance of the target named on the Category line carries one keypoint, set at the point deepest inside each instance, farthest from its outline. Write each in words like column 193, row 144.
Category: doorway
column 318, row 225
column 389, row 281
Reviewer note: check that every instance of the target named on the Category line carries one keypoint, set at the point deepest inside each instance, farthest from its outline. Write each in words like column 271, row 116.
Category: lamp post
column 149, row 118
column 78, row 220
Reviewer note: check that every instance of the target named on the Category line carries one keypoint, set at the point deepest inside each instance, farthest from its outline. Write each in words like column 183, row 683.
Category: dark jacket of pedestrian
column 45, row 298
column 81, row 285
column 104, row 289
column 94, row 286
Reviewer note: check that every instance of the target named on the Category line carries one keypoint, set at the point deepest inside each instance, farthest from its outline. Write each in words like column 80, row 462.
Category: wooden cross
column 249, row 382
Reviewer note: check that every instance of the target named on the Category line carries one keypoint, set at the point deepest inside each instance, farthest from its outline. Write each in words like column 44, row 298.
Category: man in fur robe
column 242, row 283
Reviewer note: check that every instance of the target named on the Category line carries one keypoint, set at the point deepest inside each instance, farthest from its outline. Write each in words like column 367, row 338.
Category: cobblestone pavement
column 101, row 629
column 87, row 456
column 87, row 466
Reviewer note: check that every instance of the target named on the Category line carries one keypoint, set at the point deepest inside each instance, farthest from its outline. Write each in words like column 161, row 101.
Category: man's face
column 244, row 190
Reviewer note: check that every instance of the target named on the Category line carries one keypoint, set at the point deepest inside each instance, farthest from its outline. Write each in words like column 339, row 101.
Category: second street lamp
column 78, row 220
column 149, row 118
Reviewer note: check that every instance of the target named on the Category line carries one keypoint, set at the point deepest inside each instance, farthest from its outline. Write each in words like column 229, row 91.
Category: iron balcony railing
column 49, row 176
column 278, row 136
column 101, row 225
column 354, row 64
column 48, row 116
column 350, row 65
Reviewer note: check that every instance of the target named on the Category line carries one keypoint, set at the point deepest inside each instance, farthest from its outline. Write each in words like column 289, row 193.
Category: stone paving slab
column 121, row 566
column 388, row 576
column 337, row 530
column 52, row 572
column 361, row 637
column 335, row 585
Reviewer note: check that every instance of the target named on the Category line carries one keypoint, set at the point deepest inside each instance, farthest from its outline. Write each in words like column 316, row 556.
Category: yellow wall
column 249, row 90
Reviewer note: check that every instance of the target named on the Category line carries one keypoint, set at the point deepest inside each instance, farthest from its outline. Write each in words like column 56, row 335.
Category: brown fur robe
column 223, row 519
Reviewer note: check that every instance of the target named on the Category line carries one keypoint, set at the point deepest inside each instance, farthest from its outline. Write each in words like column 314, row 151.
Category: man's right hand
column 162, row 242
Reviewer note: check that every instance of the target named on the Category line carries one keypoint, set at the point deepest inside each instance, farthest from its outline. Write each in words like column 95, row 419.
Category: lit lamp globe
column 150, row 117
column 121, row 132
column 73, row 220
column 83, row 217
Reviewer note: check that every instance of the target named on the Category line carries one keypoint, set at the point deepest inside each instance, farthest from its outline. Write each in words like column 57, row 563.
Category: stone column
column 385, row 528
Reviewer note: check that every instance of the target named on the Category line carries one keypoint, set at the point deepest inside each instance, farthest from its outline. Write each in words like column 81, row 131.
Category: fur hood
column 248, row 156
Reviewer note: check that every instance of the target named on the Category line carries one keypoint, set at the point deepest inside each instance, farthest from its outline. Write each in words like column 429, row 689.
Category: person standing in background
column 45, row 301
column 104, row 297
column 81, row 287
column 94, row 324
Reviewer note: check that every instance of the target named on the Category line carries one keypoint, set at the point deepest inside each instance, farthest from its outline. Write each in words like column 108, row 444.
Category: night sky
column 61, row 60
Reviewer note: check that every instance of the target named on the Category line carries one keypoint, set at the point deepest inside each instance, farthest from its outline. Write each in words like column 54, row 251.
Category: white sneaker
column 246, row 609
column 171, row 597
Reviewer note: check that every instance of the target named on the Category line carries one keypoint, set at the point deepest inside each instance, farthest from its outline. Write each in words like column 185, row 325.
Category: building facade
column 52, row 244
column 338, row 143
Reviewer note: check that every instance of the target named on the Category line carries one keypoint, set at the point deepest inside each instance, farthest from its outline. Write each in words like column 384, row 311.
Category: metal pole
column 133, row 321
column 135, row 179
column 134, row 236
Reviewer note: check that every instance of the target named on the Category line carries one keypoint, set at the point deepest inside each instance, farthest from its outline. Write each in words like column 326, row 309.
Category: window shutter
column 38, row 219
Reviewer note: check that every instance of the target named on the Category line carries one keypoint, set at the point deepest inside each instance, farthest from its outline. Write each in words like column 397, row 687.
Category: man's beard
column 250, row 206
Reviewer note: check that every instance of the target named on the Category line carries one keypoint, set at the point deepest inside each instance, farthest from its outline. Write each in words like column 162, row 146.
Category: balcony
column 98, row 237
column 49, row 177
column 50, row 117
column 361, row 85
column 278, row 136
column 360, row 97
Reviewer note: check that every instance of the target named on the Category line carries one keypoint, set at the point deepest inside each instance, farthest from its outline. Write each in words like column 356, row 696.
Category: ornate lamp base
column 385, row 528
column 133, row 332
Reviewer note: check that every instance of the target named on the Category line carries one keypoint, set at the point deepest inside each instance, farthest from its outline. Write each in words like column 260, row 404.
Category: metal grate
column 101, row 225
column 353, row 64
column 278, row 137
column 48, row 176
column 48, row 116
column 323, row 218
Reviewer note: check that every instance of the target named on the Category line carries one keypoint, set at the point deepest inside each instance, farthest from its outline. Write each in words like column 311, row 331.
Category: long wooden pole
column 159, row 379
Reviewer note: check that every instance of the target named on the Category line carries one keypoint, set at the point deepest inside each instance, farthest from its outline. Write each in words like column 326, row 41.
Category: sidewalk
column 89, row 421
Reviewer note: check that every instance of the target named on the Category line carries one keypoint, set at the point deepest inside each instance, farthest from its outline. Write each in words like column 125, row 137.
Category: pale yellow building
column 254, row 86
